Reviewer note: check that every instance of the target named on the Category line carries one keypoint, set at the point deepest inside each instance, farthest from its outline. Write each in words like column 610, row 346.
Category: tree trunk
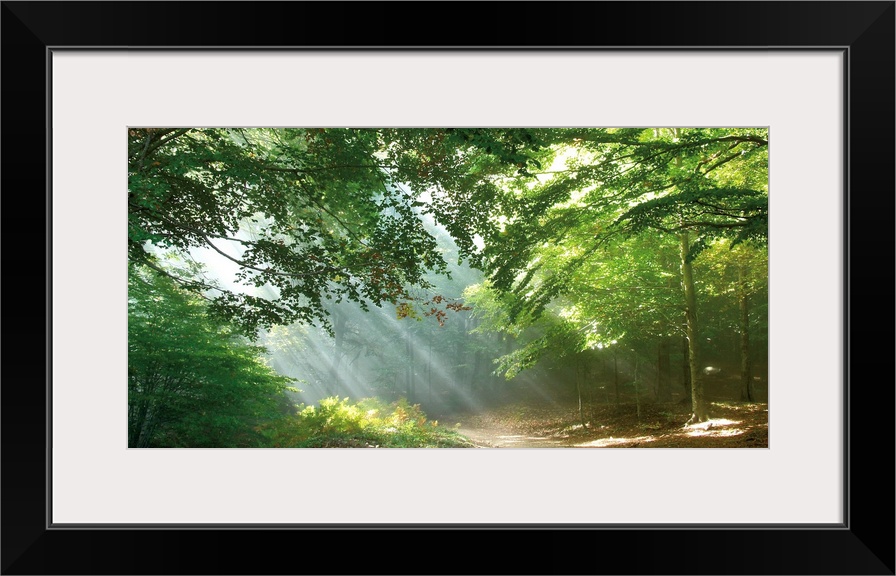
column 429, row 370
column 580, row 377
column 746, row 365
column 686, row 367
column 460, row 353
column 663, row 373
column 637, row 394
column 589, row 385
column 339, row 321
column 616, row 375
column 409, row 348
column 138, row 420
column 477, row 360
column 699, row 408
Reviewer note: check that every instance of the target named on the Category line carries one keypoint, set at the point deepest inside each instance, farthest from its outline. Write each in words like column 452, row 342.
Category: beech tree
column 694, row 185
column 327, row 220
column 736, row 281
column 333, row 213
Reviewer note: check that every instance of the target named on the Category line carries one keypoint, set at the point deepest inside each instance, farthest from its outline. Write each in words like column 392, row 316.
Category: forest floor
column 553, row 425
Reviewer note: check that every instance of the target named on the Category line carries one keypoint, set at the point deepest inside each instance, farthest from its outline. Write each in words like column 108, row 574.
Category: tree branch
column 179, row 280
column 270, row 271
column 345, row 226
column 162, row 141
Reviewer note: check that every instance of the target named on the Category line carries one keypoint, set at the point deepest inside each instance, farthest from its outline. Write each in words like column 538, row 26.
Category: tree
column 695, row 185
column 334, row 214
column 192, row 381
column 627, row 297
column 327, row 220
column 736, row 281
column 313, row 215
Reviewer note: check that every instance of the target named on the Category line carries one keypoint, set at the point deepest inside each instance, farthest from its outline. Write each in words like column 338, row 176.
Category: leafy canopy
column 310, row 215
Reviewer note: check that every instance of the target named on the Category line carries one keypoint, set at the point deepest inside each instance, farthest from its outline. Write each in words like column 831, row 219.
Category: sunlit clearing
column 715, row 432
column 740, row 405
column 601, row 442
column 713, row 423
column 520, row 438
column 715, row 427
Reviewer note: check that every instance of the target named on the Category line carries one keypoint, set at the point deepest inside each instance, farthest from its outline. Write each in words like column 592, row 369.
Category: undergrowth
column 368, row 423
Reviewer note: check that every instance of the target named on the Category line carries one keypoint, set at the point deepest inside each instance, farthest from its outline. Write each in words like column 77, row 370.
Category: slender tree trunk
column 137, row 426
column 429, row 371
column 579, row 400
column 477, row 360
column 409, row 348
column 460, row 354
column 502, row 347
column 590, row 386
column 663, row 372
column 698, row 400
column 142, row 430
column 686, row 366
column 580, row 376
column 616, row 375
column 637, row 394
column 339, row 321
column 746, row 365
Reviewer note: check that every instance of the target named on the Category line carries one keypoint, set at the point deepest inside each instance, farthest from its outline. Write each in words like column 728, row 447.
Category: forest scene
column 448, row 287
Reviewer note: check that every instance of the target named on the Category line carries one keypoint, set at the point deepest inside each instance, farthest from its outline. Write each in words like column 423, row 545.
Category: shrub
column 339, row 423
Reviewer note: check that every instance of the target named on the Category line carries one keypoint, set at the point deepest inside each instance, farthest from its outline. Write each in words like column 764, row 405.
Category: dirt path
column 515, row 427
column 493, row 437
column 734, row 425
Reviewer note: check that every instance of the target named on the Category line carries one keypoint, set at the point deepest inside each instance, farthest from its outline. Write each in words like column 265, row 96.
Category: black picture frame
column 864, row 544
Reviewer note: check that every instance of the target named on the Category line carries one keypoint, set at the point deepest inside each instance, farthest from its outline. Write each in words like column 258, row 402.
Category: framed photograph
column 817, row 76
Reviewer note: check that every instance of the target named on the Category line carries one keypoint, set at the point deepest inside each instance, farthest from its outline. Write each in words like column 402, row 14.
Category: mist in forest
column 307, row 285
column 453, row 366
